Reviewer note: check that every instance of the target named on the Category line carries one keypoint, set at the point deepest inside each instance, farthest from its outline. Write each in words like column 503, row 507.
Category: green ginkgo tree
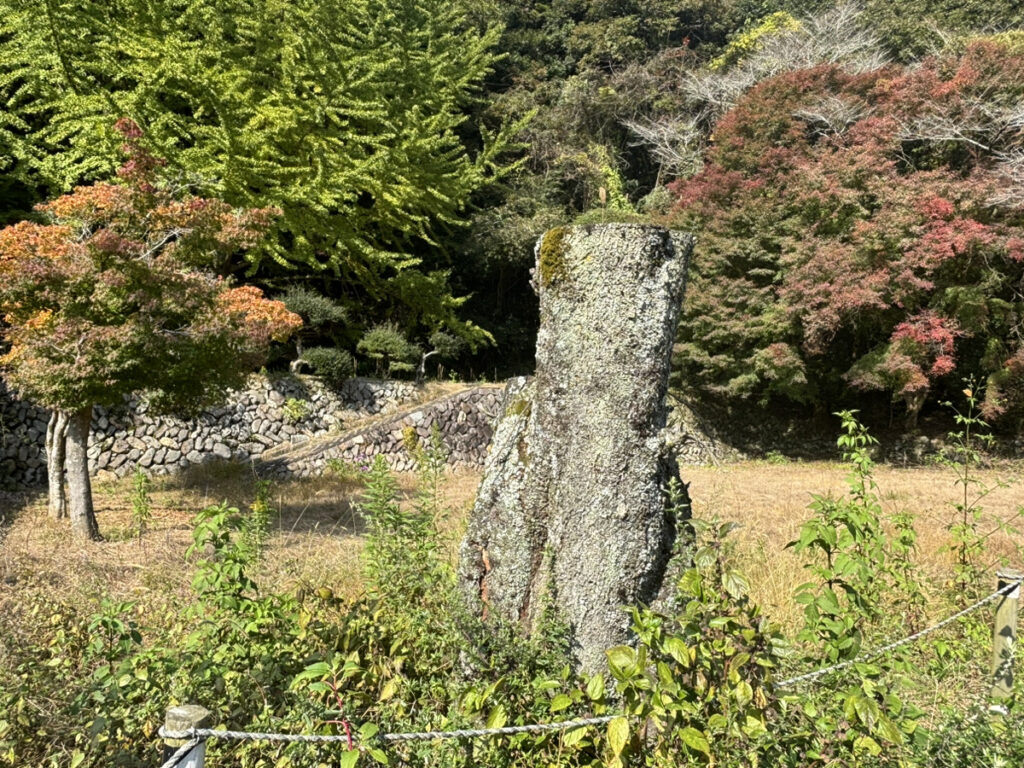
column 350, row 116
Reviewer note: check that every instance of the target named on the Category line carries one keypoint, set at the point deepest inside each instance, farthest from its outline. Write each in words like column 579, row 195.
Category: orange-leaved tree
column 117, row 292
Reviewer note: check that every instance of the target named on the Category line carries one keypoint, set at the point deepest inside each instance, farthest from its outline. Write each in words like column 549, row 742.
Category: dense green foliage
column 347, row 116
column 380, row 130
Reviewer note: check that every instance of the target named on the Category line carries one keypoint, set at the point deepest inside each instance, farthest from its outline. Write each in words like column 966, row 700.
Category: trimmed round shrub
column 331, row 363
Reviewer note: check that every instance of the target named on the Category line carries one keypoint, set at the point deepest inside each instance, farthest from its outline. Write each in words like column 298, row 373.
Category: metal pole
column 181, row 718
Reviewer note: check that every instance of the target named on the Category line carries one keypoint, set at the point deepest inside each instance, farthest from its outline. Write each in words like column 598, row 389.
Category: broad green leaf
column 743, row 693
column 695, row 740
column 621, row 659
column 735, row 584
column 390, row 689
column 866, row 744
column 678, row 650
column 497, row 718
column 618, row 734
column 574, row 736
column 560, row 702
column 595, row 688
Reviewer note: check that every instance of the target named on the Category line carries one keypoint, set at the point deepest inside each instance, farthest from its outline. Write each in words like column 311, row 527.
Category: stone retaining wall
column 269, row 412
column 465, row 421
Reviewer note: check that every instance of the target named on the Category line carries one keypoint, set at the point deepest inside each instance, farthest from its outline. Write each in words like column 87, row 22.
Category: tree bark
column 56, row 436
column 83, row 516
column 571, row 507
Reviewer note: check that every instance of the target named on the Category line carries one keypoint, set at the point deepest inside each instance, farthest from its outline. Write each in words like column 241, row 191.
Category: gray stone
column 571, row 502
column 222, row 451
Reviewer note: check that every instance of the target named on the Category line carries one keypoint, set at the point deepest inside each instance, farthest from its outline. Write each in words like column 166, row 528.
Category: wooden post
column 181, row 718
column 1004, row 638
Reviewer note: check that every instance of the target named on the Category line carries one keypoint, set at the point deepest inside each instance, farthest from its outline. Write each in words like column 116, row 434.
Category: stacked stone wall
column 465, row 423
column 270, row 411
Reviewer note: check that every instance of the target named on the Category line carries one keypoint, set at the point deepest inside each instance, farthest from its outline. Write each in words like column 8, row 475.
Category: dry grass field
column 770, row 501
column 315, row 540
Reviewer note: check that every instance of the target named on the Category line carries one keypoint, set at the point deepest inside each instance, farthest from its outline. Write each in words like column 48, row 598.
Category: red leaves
column 107, row 299
column 262, row 319
column 849, row 215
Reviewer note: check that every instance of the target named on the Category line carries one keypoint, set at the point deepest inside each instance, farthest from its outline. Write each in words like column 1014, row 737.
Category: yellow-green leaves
column 618, row 735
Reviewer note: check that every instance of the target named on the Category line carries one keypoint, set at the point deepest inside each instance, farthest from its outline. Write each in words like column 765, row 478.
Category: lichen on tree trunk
column 83, row 516
column 572, row 500
column 56, row 437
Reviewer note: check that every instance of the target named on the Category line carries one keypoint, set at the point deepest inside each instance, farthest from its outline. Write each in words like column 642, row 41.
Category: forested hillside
column 852, row 172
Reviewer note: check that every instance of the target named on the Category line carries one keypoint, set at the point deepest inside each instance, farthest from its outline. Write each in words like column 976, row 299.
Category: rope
column 183, row 750
column 195, row 734
column 905, row 641
column 469, row 733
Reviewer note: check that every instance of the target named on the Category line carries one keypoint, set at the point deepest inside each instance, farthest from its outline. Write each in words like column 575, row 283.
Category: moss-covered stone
column 520, row 406
column 577, row 467
column 551, row 265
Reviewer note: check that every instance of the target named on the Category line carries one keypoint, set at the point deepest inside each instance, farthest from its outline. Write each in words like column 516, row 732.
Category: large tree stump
column 572, row 506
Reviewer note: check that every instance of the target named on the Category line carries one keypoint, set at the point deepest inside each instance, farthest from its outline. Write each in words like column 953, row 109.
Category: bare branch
column 676, row 144
column 832, row 115
column 980, row 121
column 1011, row 170
column 833, row 37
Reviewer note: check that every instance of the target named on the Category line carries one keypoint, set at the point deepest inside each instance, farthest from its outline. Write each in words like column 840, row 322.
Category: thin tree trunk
column 56, row 436
column 83, row 517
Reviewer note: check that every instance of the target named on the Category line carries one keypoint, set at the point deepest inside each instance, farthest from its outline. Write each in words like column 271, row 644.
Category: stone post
column 182, row 718
column 571, row 507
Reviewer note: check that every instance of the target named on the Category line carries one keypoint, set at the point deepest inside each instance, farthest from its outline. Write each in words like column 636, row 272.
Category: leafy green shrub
column 256, row 527
column 389, row 349
column 333, row 364
column 699, row 679
column 967, row 541
column 316, row 310
column 700, row 687
column 346, row 471
column 976, row 737
column 295, row 410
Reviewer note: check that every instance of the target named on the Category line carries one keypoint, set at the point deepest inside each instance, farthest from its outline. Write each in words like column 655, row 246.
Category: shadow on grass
column 15, row 503
column 327, row 504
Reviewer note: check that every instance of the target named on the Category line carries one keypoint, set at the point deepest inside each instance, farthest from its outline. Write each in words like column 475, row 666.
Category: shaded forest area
column 854, row 174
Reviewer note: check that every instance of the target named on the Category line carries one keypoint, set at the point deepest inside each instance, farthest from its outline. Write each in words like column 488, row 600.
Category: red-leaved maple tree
column 862, row 231
column 116, row 292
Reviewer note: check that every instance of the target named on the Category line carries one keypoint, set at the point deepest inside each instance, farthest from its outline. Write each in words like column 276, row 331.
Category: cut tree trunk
column 572, row 505
column 56, row 435
column 83, row 517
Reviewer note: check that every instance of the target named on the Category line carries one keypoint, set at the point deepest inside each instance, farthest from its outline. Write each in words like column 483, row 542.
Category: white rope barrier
column 195, row 734
column 306, row 738
column 893, row 646
column 182, row 751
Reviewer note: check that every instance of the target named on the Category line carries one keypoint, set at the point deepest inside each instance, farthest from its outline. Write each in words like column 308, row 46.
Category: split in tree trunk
column 572, row 507
column 56, row 435
column 83, row 517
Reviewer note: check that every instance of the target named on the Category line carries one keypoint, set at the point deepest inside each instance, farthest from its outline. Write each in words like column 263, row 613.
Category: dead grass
column 316, row 539
column 317, row 536
column 770, row 502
